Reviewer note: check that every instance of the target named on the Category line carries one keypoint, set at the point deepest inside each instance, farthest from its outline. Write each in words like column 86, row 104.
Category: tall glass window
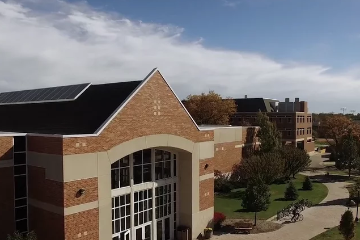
column 120, row 173
column 142, row 166
column 142, row 207
column 163, row 162
column 121, row 217
column 163, row 201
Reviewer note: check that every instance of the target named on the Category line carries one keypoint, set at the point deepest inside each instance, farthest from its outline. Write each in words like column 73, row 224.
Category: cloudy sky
column 263, row 48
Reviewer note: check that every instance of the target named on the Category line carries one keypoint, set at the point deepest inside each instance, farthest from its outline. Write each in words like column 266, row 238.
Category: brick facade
column 44, row 190
column 71, row 197
column 7, row 224
column 6, row 148
column 226, row 155
column 40, row 144
column 206, row 166
column 206, row 194
column 46, row 225
column 83, row 225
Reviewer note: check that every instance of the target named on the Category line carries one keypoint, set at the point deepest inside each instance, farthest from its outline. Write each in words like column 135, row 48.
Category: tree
column 334, row 127
column 291, row 192
column 307, row 184
column 269, row 136
column 210, row 108
column 347, row 225
column 353, row 190
column 264, row 167
column 349, row 155
column 296, row 160
column 19, row 236
column 256, row 198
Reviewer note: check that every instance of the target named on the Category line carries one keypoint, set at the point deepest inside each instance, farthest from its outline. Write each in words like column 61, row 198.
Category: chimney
column 245, row 96
column 287, row 99
column 297, row 99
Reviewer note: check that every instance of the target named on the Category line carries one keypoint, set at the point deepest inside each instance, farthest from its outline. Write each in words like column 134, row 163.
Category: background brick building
column 292, row 119
column 109, row 161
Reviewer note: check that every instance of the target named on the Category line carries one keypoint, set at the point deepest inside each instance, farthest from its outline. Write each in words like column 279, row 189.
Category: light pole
column 357, row 207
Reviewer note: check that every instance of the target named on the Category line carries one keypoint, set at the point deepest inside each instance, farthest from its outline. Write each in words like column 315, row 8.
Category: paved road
column 317, row 161
column 316, row 219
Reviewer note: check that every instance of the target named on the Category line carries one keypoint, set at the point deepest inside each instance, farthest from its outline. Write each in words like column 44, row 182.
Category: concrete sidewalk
column 317, row 219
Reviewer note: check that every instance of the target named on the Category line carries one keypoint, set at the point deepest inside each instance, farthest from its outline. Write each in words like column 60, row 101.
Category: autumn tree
column 334, row 127
column 296, row 160
column 256, row 198
column 210, row 108
column 269, row 136
column 263, row 167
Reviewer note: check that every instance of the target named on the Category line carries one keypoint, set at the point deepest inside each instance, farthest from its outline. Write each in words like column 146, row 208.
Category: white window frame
column 152, row 185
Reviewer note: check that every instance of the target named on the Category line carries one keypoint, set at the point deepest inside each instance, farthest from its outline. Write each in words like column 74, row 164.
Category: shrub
column 307, row 184
column 19, row 236
column 219, row 218
column 221, row 183
column 347, row 225
column 291, row 192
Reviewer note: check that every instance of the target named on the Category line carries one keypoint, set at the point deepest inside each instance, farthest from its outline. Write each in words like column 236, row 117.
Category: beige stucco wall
column 223, row 135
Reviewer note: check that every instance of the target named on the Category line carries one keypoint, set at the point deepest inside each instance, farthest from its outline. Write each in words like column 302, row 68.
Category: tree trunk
column 255, row 219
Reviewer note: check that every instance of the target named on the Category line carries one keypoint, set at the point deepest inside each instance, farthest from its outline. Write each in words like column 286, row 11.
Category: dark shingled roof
column 255, row 105
column 81, row 116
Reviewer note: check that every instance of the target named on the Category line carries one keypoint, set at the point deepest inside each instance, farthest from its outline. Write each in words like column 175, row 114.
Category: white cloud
column 230, row 3
column 47, row 43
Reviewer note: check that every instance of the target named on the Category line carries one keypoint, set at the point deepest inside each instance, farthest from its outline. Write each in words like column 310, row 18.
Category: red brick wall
column 71, row 188
column 6, row 148
column 249, row 135
column 202, row 166
column 6, row 202
column 51, row 145
column 85, row 223
column 44, row 190
column 58, row 193
column 137, row 119
column 225, row 159
column 47, row 225
column 206, row 193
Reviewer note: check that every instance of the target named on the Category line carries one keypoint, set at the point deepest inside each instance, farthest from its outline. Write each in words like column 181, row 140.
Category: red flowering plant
column 219, row 218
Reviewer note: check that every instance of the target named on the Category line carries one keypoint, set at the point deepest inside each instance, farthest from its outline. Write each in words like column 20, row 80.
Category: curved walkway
column 317, row 219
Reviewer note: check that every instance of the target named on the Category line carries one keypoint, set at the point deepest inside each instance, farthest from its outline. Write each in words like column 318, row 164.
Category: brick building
column 292, row 119
column 109, row 161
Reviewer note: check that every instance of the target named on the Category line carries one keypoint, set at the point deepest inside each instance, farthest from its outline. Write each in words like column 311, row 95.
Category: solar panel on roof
column 53, row 94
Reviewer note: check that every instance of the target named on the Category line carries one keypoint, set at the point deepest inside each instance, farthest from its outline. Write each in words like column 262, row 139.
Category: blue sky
column 260, row 48
column 312, row 31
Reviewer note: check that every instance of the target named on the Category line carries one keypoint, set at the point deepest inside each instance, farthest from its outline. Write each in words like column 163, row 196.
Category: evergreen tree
column 269, row 136
column 291, row 192
column 307, row 184
column 347, row 225
column 256, row 198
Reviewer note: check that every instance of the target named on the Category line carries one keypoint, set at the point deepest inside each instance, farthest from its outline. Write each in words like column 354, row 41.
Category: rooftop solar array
column 52, row 94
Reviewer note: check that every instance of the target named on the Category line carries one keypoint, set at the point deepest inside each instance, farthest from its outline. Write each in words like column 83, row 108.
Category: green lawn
column 230, row 204
column 333, row 234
